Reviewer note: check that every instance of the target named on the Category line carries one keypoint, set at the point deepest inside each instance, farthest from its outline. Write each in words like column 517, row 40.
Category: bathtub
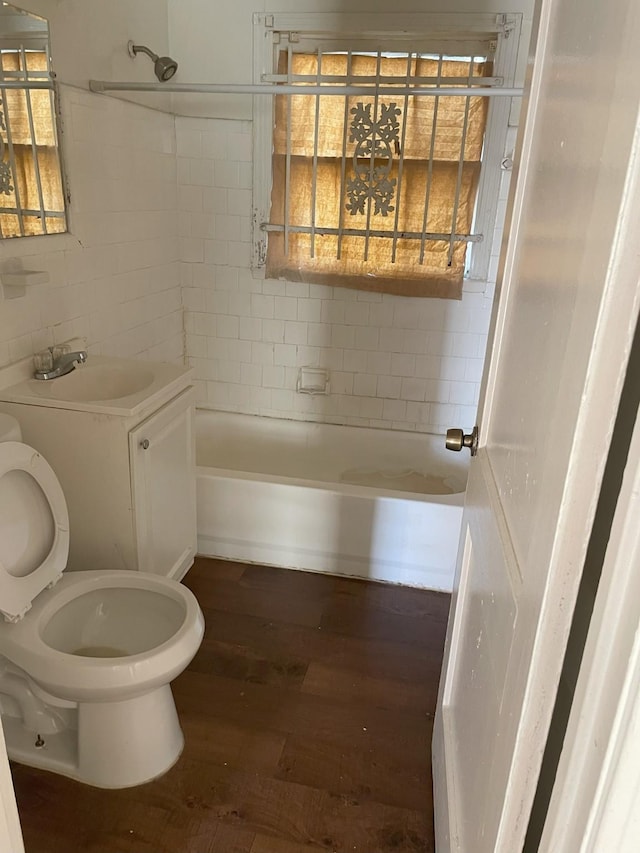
column 352, row 501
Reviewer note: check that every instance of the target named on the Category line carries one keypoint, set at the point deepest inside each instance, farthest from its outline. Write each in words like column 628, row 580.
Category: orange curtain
column 403, row 124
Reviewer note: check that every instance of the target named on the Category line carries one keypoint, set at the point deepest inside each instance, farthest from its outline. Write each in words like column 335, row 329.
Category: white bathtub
column 343, row 500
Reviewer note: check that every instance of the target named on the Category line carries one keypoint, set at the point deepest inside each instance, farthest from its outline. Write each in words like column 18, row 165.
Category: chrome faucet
column 62, row 365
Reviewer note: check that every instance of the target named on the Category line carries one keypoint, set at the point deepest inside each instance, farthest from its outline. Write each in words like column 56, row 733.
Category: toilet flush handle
column 144, row 444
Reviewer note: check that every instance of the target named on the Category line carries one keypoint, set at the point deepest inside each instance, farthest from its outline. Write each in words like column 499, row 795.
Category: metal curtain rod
column 284, row 89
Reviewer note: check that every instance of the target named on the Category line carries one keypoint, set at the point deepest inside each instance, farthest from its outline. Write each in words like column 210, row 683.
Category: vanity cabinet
column 162, row 459
column 128, row 477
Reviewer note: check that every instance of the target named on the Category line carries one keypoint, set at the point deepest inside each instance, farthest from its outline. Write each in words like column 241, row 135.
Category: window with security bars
column 31, row 188
column 385, row 191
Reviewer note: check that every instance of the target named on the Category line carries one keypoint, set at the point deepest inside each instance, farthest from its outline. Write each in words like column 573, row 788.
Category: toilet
column 86, row 658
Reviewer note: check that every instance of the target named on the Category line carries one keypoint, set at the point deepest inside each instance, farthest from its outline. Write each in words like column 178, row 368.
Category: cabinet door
column 163, row 482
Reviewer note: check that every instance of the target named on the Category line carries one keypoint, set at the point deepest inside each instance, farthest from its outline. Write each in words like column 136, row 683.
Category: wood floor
column 307, row 715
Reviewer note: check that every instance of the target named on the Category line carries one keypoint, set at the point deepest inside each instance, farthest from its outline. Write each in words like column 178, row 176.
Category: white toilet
column 85, row 659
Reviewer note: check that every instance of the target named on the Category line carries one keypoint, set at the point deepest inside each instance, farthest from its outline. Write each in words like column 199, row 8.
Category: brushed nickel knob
column 456, row 440
column 144, row 444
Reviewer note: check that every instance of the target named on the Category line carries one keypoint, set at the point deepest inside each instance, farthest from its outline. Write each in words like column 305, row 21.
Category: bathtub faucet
column 61, row 365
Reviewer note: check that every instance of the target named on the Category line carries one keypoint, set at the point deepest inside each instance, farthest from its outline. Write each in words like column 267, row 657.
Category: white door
column 561, row 336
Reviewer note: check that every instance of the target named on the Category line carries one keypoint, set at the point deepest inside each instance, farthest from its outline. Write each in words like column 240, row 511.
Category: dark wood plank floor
column 307, row 715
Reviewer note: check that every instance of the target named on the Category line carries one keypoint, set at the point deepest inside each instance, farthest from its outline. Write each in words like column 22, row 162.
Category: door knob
column 144, row 444
column 456, row 440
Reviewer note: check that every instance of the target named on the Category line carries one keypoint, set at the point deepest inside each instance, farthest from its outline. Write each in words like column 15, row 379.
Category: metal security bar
column 456, row 201
column 8, row 83
column 343, row 164
column 23, row 79
column 378, row 127
column 434, row 124
column 315, row 159
column 401, row 164
column 358, row 232
column 32, row 136
column 372, row 158
column 287, row 174
column 383, row 81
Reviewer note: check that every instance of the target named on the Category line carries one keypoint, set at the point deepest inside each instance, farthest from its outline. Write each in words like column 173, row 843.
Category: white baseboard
column 422, row 576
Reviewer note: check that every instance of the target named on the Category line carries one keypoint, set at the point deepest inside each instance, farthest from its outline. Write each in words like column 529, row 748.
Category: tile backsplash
column 395, row 362
column 116, row 278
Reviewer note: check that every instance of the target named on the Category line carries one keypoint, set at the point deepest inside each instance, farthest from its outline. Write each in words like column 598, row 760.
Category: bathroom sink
column 96, row 383
column 103, row 385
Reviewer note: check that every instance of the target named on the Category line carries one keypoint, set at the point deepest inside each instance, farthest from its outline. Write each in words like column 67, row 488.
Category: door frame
column 595, row 801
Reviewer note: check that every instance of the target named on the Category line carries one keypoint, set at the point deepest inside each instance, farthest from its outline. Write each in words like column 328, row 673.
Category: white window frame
column 387, row 32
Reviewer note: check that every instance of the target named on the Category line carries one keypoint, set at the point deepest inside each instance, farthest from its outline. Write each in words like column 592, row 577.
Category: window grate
column 374, row 147
column 410, row 248
column 31, row 195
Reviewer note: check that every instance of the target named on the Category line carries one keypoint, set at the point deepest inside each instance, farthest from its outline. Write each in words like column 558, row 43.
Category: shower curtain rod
column 102, row 86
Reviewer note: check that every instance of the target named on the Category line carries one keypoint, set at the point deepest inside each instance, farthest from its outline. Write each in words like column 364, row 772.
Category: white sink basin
column 103, row 385
column 96, row 383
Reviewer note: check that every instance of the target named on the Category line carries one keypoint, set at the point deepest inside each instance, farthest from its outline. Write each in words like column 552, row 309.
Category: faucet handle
column 43, row 360
column 59, row 350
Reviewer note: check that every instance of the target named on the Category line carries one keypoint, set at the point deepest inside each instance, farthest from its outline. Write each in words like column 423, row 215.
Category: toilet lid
column 34, row 527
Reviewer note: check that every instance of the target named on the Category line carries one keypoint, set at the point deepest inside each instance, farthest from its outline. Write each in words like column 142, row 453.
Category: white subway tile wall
column 116, row 279
column 395, row 362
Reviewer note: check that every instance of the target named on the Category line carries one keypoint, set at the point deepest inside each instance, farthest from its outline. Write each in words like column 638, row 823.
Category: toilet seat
column 78, row 678
column 18, row 591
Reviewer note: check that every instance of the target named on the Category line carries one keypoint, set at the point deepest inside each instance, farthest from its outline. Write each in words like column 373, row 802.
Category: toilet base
column 116, row 745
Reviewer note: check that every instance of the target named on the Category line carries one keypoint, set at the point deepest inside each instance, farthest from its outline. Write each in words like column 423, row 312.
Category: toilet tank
column 9, row 428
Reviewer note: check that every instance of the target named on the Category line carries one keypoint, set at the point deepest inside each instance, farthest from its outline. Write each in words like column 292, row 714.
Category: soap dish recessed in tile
column 313, row 380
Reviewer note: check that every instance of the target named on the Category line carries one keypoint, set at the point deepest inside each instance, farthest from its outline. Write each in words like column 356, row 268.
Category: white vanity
column 119, row 435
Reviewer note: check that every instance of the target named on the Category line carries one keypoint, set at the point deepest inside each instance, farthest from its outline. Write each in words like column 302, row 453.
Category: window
column 382, row 191
column 31, row 186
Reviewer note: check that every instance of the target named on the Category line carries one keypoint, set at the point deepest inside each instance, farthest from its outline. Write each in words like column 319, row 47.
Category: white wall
column 115, row 279
column 89, row 40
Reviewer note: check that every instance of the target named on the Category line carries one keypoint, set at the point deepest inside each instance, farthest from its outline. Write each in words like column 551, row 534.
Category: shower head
column 164, row 66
